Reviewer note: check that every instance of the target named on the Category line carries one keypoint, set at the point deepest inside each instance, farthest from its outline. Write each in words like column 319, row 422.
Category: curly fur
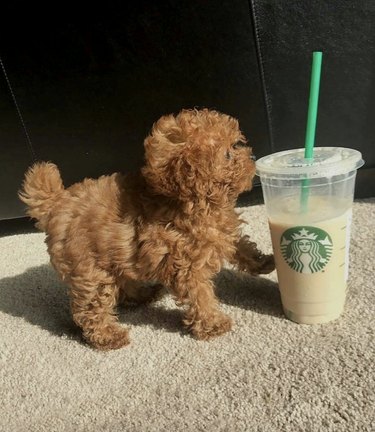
column 124, row 238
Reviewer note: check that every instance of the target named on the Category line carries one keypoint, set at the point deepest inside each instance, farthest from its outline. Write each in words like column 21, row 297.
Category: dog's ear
column 162, row 149
column 172, row 164
column 164, row 141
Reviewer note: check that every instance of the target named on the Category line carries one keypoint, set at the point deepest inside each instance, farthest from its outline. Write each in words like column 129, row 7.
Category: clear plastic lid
column 327, row 162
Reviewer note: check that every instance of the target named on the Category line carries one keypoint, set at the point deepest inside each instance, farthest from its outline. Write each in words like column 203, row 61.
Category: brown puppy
column 173, row 225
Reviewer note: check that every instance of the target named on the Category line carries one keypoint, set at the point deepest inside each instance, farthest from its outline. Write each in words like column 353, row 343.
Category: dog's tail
column 41, row 188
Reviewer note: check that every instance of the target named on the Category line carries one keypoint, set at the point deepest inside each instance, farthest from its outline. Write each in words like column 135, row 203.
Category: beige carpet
column 269, row 374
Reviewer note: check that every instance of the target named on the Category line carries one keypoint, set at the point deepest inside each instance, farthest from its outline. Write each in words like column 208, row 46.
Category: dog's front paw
column 212, row 326
column 267, row 264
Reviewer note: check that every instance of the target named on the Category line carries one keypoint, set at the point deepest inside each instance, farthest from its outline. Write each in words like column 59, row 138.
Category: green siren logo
column 306, row 249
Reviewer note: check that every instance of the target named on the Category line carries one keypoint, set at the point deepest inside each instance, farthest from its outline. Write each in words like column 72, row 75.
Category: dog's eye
column 239, row 144
column 228, row 155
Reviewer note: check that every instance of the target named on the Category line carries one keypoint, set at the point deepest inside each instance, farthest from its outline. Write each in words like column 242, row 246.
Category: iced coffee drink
column 311, row 241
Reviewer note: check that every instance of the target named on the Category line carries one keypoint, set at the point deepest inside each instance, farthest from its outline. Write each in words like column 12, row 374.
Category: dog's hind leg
column 93, row 309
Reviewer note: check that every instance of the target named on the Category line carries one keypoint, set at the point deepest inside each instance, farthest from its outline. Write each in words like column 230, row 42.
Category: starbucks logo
column 306, row 249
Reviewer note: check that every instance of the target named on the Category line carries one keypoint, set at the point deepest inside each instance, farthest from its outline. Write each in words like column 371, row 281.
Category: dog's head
column 198, row 154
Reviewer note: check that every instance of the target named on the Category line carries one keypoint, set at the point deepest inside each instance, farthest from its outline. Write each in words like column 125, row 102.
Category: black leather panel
column 288, row 32
column 90, row 81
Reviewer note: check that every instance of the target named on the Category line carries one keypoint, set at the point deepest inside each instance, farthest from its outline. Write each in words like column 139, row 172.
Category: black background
column 91, row 79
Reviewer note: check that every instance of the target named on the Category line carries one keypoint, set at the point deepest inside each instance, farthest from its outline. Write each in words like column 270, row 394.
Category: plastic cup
column 310, row 239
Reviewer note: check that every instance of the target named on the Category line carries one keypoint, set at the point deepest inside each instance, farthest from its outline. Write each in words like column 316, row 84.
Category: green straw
column 311, row 121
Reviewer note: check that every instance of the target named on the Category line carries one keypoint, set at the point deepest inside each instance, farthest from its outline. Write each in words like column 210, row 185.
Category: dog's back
column 84, row 222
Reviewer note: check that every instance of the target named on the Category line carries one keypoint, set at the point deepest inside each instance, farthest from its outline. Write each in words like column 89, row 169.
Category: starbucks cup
column 309, row 207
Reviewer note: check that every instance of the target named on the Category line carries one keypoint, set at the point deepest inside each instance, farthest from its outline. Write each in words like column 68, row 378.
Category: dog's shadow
column 39, row 297
column 258, row 294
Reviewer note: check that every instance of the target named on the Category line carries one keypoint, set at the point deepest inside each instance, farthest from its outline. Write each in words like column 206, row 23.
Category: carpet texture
column 268, row 374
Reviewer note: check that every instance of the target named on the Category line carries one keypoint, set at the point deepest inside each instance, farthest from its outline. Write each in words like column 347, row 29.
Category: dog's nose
column 253, row 157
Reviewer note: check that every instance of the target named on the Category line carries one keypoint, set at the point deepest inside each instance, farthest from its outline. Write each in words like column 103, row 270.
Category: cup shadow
column 39, row 297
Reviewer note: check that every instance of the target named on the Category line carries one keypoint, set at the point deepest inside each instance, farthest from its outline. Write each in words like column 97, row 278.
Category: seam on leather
column 261, row 65
column 20, row 116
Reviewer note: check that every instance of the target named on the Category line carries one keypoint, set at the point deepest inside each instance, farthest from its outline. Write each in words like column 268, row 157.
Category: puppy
column 173, row 224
